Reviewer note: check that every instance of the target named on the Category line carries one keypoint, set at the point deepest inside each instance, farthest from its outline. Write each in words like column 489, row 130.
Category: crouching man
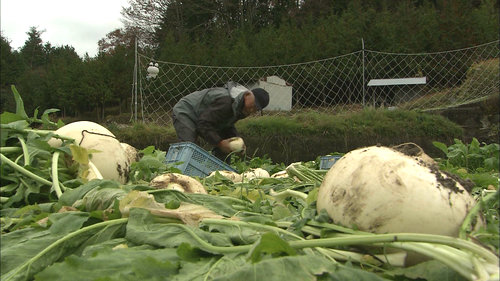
column 212, row 113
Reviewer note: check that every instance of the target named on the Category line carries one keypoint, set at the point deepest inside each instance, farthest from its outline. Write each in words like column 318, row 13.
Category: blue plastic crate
column 326, row 162
column 195, row 160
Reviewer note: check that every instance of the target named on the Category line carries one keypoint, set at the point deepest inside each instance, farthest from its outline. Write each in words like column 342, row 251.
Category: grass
column 481, row 83
column 307, row 134
column 364, row 123
column 141, row 135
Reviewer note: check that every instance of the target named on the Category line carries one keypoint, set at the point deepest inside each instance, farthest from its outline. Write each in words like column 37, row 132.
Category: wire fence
column 349, row 82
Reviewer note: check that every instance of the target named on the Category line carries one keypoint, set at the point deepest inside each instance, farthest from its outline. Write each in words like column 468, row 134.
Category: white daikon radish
column 74, row 131
column 255, row 173
column 110, row 158
column 180, row 182
column 132, row 154
column 280, row 174
column 383, row 190
column 233, row 176
column 236, row 144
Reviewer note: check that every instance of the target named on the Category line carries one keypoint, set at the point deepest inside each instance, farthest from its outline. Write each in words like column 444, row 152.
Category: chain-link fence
column 356, row 80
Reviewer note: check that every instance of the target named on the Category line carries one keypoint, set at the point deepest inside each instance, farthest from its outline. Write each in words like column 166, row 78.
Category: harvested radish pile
column 77, row 204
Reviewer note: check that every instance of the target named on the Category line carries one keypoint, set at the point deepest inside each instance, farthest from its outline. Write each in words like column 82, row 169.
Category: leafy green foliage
column 473, row 156
column 270, row 243
column 24, row 181
column 475, row 162
column 20, row 114
column 134, row 263
column 478, row 163
column 245, row 163
column 263, row 229
column 151, row 164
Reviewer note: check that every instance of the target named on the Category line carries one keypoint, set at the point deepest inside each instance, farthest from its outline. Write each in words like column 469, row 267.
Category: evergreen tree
column 11, row 68
column 63, row 72
column 33, row 52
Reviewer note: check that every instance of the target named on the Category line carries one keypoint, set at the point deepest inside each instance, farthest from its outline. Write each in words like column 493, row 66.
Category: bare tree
column 118, row 37
column 144, row 17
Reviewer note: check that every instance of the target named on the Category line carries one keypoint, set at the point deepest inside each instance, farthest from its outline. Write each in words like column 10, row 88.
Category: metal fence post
column 363, row 82
column 135, row 81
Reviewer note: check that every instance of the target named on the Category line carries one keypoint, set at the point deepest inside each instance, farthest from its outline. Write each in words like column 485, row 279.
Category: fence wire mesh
column 348, row 82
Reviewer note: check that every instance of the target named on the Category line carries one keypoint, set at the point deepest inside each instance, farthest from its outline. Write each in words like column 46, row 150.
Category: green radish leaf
column 474, row 146
column 308, row 267
column 142, row 229
column 80, row 154
column 188, row 253
column 430, row 271
column 312, row 196
column 21, row 245
column 19, row 104
column 17, row 125
column 8, row 117
column 35, row 254
column 3, row 139
column 129, row 264
column 173, row 204
column 60, row 123
column 270, row 243
column 35, row 115
column 456, row 155
column 441, row 146
column 280, row 211
column 101, row 198
column 18, row 197
column 148, row 150
column 45, row 116
column 71, row 196
column 67, row 222
column 491, row 164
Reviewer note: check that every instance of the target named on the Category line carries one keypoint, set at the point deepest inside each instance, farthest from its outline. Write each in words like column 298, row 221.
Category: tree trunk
column 102, row 115
column 97, row 113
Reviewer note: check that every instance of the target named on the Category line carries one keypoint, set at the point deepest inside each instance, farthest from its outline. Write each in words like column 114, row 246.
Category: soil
column 479, row 120
column 299, row 148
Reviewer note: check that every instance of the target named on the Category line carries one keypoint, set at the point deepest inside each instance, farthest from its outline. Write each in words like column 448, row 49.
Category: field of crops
column 58, row 225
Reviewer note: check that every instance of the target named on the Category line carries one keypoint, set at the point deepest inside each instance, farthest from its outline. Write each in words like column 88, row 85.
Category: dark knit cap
column 261, row 98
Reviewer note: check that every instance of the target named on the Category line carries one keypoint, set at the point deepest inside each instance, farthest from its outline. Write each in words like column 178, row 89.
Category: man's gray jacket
column 211, row 111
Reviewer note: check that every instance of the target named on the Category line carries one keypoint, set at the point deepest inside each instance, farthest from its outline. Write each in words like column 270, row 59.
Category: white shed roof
column 397, row 81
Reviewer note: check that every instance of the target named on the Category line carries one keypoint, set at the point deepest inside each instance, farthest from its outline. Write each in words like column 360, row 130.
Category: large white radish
column 236, row 144
column 382, row 190
column 110, row 159
column 254, row 173
column 132, row 153
column 180, row 182
column 75, row 130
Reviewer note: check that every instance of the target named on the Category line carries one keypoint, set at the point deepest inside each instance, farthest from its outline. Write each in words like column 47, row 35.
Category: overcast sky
column 77, row 23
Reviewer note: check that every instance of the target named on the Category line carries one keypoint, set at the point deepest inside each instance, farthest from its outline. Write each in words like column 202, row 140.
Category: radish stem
column 55, row 175
column 10, row 149
column 474, row 212
column 23, row 170
column 25, row 151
